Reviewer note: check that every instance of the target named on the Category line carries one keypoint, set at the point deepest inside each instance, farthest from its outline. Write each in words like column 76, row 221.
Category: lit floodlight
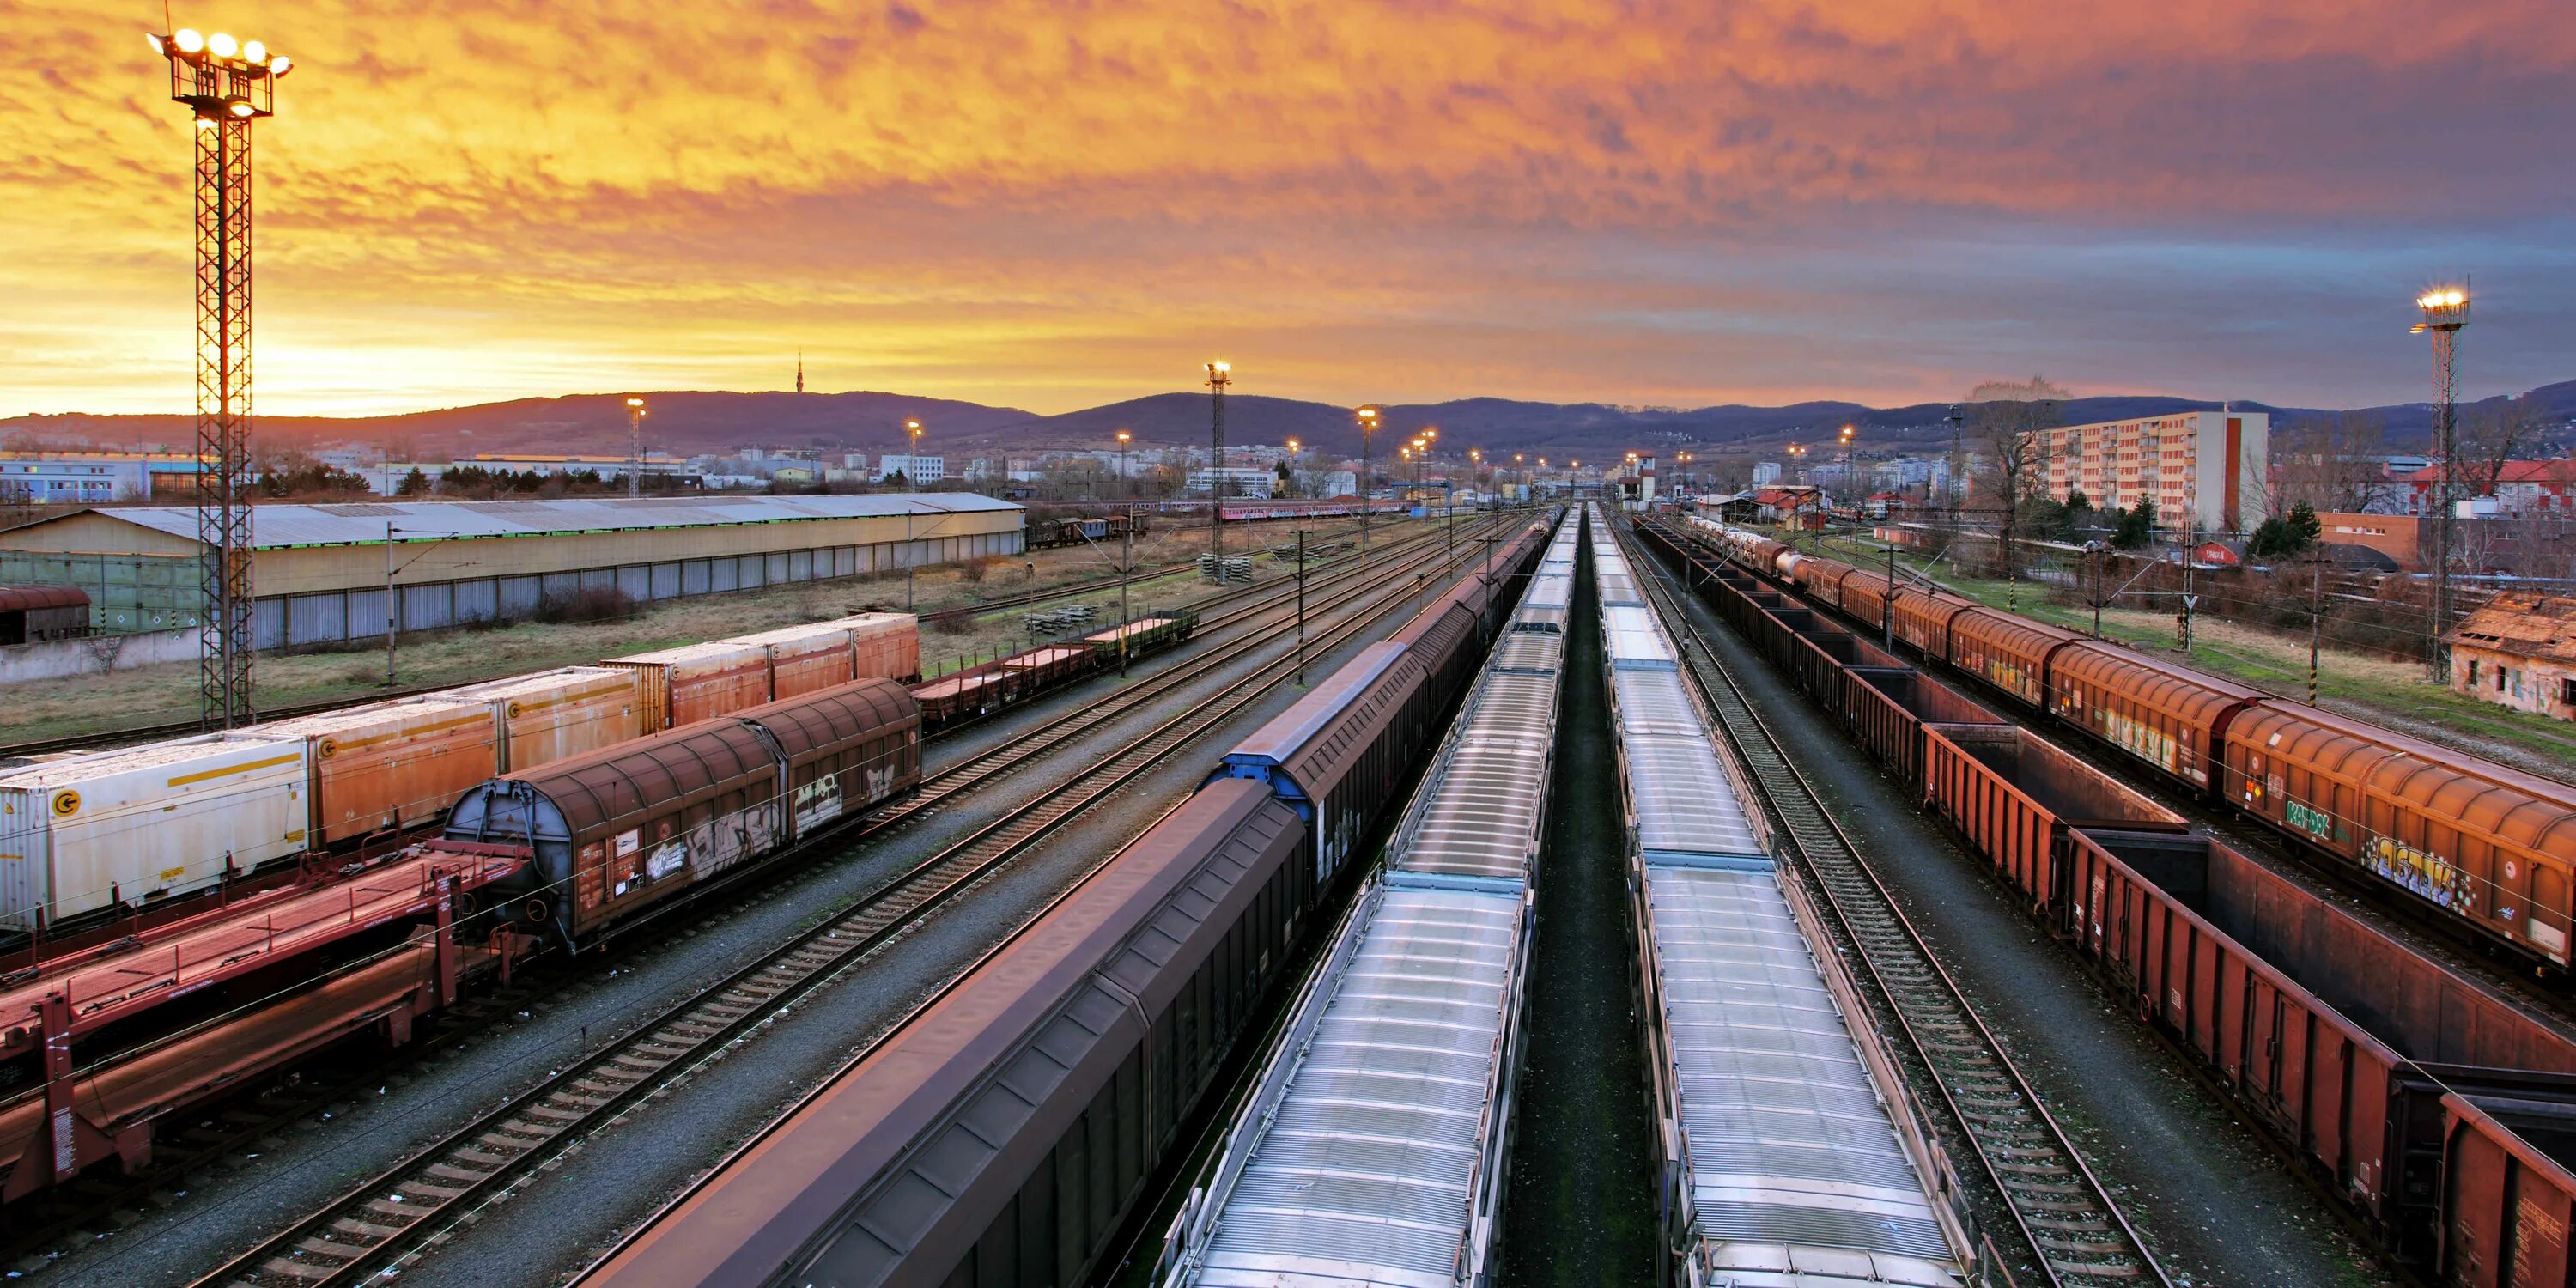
column 187, row 39
column 254, row 52
column 221, row 45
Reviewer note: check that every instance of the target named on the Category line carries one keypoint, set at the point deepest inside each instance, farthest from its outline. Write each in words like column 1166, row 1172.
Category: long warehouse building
column 320, row 572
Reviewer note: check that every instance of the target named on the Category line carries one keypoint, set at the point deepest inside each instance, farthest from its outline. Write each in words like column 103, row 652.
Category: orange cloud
column 1046, row 203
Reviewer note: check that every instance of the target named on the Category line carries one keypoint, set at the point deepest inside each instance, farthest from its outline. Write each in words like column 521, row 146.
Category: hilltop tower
column 800, row 371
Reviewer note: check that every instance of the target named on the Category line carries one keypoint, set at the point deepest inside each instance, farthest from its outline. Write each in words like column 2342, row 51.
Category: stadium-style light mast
column 1219, row 375
column 225, row 84
column 2446, row 311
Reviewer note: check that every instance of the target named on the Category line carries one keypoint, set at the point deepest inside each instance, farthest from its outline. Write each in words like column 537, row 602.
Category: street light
column 1123, row 436
column 1219, row 375
column 911, row 556
column 634, row 447
column 2446, row 311
column 1296, row 463
column 1368, row 419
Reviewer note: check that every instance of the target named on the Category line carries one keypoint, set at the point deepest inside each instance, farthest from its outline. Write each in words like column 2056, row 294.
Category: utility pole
column 2446, row 312
column 1301, row 608
column 2096, row 549
column 2316, row 612
column 1888, row 635
column 2190, row 557
column 1127, row 570
column 389, row 605
column 1219, row 375
column 226, row 85
column 634, row 448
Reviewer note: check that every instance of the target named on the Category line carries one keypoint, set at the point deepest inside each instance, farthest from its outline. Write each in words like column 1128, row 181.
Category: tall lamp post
column 226, row 84
column 1219, row 375
column 1123, row 436
column 911, row 556
column 2446, row 311
column 1368, row 418
column 634, row 447
column 1296, row 464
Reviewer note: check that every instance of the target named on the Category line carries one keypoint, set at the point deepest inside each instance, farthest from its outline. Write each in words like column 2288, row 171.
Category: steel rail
column 202, row 1144
column 386, row 1218
column 2076, row 1232
column 176, row 728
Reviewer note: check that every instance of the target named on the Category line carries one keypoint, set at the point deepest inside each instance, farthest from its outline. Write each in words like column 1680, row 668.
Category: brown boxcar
column 1003, row 1135
column 1923, row 619
column 2491, row 844
column 554, row 714
column 1822, row 579
column 2015, row 796
column 1865, row 598
column 613, row 834
column 2008, row 652
column 2170, row 717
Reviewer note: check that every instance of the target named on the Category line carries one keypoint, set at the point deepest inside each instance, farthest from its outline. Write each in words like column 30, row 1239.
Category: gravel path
column 2219, row 1205
column 560, row 1219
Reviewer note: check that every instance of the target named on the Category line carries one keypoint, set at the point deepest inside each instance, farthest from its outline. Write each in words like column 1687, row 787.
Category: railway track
column 2075, row 1234
column 180, row 728
column 227, row 1129
column 387, row 1220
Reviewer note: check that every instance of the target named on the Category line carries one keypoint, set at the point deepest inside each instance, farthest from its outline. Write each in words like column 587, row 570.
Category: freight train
column 2485, row 846
column 2436, row 1110
column 130, row 835
column 1008, row 1133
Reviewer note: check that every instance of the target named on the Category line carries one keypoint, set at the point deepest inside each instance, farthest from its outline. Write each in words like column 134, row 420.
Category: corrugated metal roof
column 1368, row 1169
column 275, row 527
column 1787, row 1140
column 1483, row 798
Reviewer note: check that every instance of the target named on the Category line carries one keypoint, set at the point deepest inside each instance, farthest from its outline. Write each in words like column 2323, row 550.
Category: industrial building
column 321, row 572
column 2205, row 468
column 89, row 478
column 2520, row 652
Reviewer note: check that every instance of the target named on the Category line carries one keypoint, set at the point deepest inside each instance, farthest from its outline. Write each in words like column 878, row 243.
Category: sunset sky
column 1053, row 205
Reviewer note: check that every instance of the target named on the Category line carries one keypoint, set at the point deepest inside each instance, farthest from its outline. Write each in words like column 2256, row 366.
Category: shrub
column 589, row 604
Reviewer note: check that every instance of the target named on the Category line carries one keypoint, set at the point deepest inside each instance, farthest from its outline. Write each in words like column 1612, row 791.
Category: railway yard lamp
column 2446, row 313
column 1368, row 417
column 634, row 448
column 911, row 557
column 226, row 84
column 1123, row 436
column 1219, row 375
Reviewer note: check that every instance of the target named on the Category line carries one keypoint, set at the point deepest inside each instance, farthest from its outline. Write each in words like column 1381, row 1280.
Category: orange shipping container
column 554, row 714
column 804, row 659
column 679, row 686
column 887, row 645
column 388, row 766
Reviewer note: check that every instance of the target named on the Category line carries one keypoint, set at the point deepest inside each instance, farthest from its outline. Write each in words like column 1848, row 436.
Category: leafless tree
column 2332, row 462
column 2005, row 418
column 2491, row 434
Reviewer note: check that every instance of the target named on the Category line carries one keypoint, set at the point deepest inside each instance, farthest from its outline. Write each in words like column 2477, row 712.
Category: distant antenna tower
column 226, row 84
column 800, row 371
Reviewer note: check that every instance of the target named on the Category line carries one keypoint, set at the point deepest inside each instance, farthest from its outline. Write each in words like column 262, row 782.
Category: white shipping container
column 146, row 823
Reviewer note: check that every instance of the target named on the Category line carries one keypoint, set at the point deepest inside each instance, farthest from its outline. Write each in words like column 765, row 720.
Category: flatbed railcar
column 2491, row 848
column 2434, row 1108
column 1006, row 1133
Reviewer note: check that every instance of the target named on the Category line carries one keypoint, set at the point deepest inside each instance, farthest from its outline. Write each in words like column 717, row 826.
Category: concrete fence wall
column 62, row 659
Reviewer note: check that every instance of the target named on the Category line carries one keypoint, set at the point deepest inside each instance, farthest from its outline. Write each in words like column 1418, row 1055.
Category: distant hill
column 692, row 422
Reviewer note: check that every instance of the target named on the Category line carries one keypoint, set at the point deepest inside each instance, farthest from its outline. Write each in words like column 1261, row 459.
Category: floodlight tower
column 225, row 84
column 1219, row 375
column 1368, row 418
column 2446, row 312
column 634, row 447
